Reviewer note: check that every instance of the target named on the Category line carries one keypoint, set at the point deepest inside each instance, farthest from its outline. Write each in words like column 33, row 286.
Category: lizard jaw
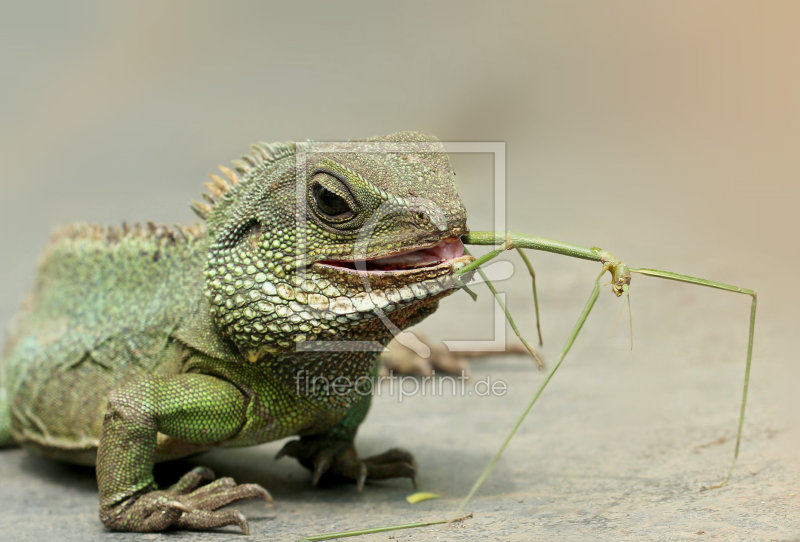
column 447, row 253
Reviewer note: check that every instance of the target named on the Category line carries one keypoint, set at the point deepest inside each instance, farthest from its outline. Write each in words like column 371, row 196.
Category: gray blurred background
column 666, row 133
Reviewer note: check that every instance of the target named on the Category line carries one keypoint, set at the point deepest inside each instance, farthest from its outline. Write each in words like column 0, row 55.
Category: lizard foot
column 325, row 457
column 400, row 360
column 183, row 505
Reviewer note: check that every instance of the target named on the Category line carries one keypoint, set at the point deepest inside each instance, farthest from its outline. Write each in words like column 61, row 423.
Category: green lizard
column 138, row 345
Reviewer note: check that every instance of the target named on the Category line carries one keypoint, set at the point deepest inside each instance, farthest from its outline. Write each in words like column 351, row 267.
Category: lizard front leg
column 333, row 454
column 195, row 408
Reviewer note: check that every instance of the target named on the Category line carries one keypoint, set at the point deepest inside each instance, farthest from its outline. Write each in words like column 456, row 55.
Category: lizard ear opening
column 253, row 234
column 249, row 231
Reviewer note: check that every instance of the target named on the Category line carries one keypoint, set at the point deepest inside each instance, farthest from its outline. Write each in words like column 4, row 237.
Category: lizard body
column 142, row 344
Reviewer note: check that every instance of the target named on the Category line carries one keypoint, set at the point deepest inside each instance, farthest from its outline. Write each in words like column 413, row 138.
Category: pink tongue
column 446, row 250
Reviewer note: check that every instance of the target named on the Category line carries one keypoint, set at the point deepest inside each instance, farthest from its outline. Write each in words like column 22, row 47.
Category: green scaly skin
column 151, row 343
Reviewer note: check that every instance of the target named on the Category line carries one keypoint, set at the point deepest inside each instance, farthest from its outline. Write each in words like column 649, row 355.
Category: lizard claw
column 321, row 465
column 335, row 458
column 263, row 494
column 362, row 477
column 175, row 505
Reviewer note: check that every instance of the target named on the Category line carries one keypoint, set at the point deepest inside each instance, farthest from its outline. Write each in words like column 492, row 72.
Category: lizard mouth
column 447, row 253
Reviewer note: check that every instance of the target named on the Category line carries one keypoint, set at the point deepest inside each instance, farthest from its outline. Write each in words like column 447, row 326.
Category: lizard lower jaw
column 448, row 253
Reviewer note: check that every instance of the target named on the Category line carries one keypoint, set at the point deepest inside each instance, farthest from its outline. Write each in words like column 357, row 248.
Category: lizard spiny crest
column 260, row 155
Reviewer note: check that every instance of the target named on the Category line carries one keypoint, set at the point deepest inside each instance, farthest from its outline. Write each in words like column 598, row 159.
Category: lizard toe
column 191, row 480
column 201, row 520
column 222, row 493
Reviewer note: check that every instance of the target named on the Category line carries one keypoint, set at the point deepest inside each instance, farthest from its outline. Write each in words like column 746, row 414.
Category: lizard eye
column 331, row 199
column 330, row 203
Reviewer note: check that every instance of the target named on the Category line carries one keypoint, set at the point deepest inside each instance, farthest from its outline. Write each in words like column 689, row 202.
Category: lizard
column 264, row 321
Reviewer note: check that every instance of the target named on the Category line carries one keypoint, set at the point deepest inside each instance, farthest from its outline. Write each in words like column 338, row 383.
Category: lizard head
column 318, row 241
